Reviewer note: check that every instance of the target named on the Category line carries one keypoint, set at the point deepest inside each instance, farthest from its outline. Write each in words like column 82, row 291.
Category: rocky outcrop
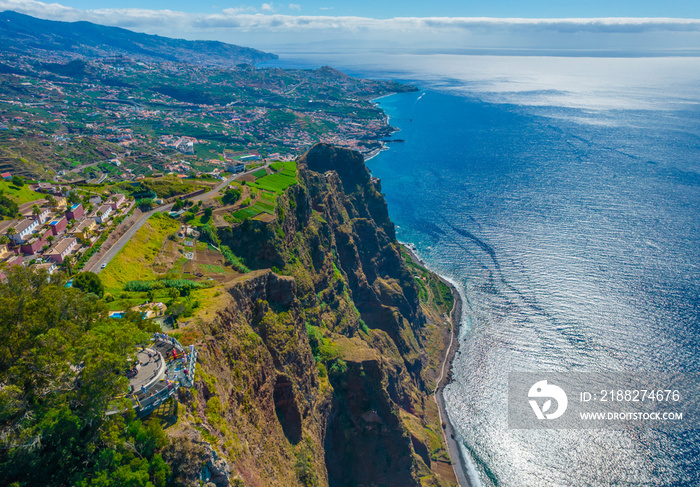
column 319, row 373
column 365, row 441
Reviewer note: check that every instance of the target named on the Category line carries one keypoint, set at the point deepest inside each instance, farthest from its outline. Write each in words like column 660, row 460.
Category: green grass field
column 290, row 168
column 275, row 182
column 260, row 206
column 270, row 187
column 198, row 221
column 20, row 195
column 212, row 269
column 169, row 186
column 269, row 197
column 260, row 173
column 134, row 261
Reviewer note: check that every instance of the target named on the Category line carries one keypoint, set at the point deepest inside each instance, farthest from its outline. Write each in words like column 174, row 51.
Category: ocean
column 562, row 196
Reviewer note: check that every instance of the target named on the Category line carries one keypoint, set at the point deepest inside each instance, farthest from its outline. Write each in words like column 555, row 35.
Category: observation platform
column 159, row 371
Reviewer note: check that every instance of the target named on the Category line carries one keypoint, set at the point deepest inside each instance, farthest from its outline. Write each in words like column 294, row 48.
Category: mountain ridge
column 20, row 33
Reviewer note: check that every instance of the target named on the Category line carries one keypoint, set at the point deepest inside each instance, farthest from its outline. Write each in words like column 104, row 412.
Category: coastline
column 458, row 461
column 375, row 152
column 374, row 100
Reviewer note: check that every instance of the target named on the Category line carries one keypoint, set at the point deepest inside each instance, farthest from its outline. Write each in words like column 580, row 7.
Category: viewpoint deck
column 161, row 369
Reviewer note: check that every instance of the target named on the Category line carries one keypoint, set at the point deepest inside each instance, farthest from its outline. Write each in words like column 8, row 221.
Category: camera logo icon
column 542, row 390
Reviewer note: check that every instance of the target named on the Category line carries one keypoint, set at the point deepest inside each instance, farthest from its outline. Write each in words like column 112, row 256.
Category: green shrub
column 338, row 368
column 233, row 260
column 145, row 286
column 231, row 195
column 364, row 327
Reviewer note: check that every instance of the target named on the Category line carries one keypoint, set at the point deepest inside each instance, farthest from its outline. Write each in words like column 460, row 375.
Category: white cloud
column 242, row 25
column 241, row 17
column 237, row 10
column 294, row 6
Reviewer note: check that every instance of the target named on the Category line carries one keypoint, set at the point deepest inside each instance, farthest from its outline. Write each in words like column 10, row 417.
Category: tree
column 10, row 232
column 144, row 187
column 207, row 214
column 67, row 264
column 173, row 294
column 18, row 181
column 89, row 282
column 207, row 233
column 60, row 358
column 231, row 195
column 145, row 204
column 73, row 197
column 36, row 211
column 8, row 208
column 177, row 310
column 185, row 293
column 51, row 201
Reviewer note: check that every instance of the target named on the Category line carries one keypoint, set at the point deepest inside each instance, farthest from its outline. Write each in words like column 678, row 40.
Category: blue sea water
column 562, row 196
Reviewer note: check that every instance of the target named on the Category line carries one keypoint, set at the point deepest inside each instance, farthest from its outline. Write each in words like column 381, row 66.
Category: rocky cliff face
column 319, row 371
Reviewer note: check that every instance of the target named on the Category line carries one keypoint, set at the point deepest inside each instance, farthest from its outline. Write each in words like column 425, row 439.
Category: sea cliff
column 318, row 366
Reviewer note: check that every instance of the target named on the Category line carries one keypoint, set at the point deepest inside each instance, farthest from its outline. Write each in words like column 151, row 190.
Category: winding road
column 119, row 244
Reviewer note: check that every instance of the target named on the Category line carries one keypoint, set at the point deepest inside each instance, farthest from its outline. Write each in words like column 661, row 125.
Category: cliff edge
column 318, row 367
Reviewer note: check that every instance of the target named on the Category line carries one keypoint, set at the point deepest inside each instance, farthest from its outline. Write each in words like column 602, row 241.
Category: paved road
column 119, row 244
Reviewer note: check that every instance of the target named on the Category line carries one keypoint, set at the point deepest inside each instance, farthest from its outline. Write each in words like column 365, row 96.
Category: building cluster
column 50, row 230
column 184, row 145
column 174, row 118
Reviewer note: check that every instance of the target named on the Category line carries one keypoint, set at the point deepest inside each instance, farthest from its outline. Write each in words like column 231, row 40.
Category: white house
column 50, row 267
column 103, row 213
column 42, row 216
column 24, row 228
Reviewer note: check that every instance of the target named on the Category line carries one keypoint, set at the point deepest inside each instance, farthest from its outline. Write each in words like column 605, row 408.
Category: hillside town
column 118, row 119
column 55, row 232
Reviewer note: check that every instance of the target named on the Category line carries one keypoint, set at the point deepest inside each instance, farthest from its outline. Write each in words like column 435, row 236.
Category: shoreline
column 372, row 154
column 374, row 100
column 458, row 461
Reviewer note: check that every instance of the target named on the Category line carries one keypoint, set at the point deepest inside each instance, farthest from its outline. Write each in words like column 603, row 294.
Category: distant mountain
column 24, row 34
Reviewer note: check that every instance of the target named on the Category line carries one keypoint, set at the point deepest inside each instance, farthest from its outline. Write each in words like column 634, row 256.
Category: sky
column 385, row 9
column 629, row 26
